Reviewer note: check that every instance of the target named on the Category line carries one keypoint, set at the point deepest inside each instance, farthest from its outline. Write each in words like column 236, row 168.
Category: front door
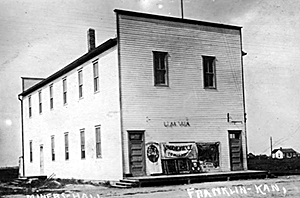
column 136, row 153
column 235, row 147
column 41, row 159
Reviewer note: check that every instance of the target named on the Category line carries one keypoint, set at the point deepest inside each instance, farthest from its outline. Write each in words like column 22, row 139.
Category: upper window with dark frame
column 80, row 84
column 29, row 106
column 96, row 76
column 160, row 63
column 209, row 72
column 51, row 96
column 65, row 90
column 40, row 102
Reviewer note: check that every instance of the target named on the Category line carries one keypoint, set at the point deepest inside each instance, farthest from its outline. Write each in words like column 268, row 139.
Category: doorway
column 235, row 148
column 136, row 153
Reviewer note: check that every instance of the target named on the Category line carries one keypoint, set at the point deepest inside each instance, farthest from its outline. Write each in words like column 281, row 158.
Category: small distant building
column 282, row 153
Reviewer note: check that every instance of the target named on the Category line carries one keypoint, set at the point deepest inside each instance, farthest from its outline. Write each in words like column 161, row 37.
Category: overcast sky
column 39, row 37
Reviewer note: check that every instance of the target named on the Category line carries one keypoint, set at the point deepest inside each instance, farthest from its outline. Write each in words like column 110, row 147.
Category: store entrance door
column 235, row 147
column 136, row 153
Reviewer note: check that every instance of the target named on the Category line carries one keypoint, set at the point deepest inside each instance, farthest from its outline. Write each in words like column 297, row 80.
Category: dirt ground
column 286, row 186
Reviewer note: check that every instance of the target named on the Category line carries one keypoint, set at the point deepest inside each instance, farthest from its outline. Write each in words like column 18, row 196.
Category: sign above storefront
column 179, row 150
column 177, row 124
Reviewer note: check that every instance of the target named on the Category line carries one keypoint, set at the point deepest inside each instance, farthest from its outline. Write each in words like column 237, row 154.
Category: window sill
column 210, row 88
column 158, row 85
column 95, row 92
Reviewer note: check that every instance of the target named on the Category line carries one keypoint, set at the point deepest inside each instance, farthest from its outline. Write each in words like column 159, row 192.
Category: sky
column 39, row 37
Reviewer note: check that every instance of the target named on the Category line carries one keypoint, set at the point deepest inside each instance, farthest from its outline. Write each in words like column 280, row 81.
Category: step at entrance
column 126, row 183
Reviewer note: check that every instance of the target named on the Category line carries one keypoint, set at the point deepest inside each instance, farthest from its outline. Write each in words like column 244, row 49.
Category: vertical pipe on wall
column 22, row 132
column 244, row 98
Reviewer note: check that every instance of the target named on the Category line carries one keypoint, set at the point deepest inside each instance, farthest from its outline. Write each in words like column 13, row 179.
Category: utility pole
column 271, row 145
column 181, row 9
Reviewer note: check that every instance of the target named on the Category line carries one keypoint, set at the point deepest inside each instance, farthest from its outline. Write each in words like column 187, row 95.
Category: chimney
column 91, row 39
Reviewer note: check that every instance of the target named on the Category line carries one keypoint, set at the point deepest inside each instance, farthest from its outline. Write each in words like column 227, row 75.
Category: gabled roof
column 86, row 57
column 285, row 150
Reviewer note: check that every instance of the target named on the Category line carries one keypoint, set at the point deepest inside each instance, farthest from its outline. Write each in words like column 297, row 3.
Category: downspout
column 22, row 131
column 244, row 99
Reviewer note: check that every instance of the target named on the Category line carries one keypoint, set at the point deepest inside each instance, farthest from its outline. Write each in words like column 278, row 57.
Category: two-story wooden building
column 166, row 96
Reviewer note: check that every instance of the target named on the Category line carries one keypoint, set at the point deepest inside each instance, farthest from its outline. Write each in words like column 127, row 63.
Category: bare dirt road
column 279, row 187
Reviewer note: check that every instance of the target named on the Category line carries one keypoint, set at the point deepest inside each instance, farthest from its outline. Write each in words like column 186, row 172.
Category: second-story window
column 51, row 96
column 29, row 106
column 209, row 71
column 40, row 102
column 96, row 76
column 65, row 91
column 80, row 83
column 160, row 68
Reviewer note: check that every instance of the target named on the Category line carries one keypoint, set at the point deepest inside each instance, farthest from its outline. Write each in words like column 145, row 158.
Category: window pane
column 52, row 148
column 96, row 76
column 66, row 146
column 160, row 68
column 209, row 72
column 30, row 150
column 65, row 85
column 95, row 68
column 98, row 142
column 82, row 144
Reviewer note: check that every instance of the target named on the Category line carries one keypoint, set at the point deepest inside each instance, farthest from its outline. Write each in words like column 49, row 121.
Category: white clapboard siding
column 100, row 108
column 147, row 107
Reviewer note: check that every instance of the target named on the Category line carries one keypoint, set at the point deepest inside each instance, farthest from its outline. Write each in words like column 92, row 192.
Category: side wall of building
column 93, row 109
column 153, row 108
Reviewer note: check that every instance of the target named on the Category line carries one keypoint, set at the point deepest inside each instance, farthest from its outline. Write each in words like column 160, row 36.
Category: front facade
column 169, row 99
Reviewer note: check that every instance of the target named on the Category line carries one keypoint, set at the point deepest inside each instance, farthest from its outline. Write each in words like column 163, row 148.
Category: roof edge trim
column 98, row 50
column 175, row 19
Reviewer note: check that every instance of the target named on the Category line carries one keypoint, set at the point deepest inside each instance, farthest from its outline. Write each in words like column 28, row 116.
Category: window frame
column 52, row 148
column 65, row 91
column 67, row 155
column 51, row 96
column 160, row 57
column 96, row 76
column 209, row 63
column 98, row 141
column 80, row 83
column 29, row 106
column 40, row 102
column 82, row 143
column 30, row 152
